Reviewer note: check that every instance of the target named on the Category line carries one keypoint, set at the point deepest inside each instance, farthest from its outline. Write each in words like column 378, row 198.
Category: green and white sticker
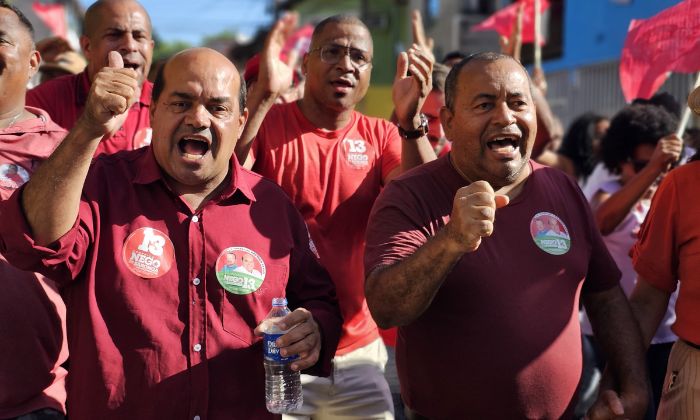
column 240, row 270
column 550, row 233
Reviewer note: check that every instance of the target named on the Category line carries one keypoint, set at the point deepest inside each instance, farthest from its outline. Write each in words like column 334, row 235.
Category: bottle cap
column 279, row 301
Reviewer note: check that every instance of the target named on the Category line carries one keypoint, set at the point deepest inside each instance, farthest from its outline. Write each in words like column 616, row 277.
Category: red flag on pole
column 54, row 17
column 668, row 41
column 503, row 21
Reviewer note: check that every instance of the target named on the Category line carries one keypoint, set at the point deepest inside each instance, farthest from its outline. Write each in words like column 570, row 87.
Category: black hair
column 577, row 143
column 633, row 126
column 453, row 76
column 21, row 16
column 453, row 55
column 337, row 19
column 159, row 85
column 663, row 99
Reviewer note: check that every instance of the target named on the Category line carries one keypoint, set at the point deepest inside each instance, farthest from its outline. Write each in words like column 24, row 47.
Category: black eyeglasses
column 332, row 54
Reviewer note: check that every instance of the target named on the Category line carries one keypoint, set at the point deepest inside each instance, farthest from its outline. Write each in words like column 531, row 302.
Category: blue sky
column 191, row 21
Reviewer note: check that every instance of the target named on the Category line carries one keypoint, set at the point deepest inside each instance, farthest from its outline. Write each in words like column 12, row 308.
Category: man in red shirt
column 487, row 309
column 32, row 313
column 139, row 240
column 110, row 25
column 332, row 161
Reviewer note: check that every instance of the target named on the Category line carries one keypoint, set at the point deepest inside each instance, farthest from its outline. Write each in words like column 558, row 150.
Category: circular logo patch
column 240, row 270
column 12, row 175
column 148, row 253
column 550, row 233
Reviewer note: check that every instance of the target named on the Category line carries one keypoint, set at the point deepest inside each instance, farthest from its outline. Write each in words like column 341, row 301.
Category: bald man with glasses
column 333, row 161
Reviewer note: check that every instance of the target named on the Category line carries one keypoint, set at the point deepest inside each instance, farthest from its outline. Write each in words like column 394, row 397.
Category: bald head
column 204, row 62
column 335, row 21
column 96, row 11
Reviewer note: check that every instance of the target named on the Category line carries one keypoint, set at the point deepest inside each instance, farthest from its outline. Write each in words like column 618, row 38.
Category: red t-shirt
column 158, row 328
column 501, row 339
column 333, row 178
column 64, row 99
column 668, row 249
column 32, row 313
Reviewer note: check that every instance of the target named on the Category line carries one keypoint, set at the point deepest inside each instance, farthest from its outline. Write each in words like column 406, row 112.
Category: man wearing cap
column 119, row 25
column 665, row 257
column 332, row 161
column 138, row 241
column 32, row 313
column 487, row 309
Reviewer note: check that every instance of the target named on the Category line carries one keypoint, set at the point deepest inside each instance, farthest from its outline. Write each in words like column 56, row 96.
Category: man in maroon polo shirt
column 158, row 328
column 487, row 309
column 110, row 25
column 32, row 314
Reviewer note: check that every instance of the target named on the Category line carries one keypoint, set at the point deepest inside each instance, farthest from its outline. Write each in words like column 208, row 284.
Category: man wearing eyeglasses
column 333, row 161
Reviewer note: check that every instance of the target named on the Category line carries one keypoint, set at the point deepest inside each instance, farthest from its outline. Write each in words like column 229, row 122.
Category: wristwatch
column 419, row 132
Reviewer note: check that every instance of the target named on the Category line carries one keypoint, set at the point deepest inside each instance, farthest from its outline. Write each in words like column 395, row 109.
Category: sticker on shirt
column 550, row 233
column 143, row 137
column 148, row 253
column 356, row 153
column 240, row 270
column 12, row 176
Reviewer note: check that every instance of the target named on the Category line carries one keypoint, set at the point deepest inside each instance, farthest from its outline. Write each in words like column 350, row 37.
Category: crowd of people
column 147, row 225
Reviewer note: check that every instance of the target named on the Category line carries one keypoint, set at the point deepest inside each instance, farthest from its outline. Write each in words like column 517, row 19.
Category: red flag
column 503, row 21
column 299, row 41
column 663, row 43
column 54, row 17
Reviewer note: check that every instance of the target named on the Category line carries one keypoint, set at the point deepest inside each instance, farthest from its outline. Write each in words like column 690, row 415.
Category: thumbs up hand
column 112, row 92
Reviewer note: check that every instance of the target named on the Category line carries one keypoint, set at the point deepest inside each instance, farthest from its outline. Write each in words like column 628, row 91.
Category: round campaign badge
column 143, row 137
column 357, row 153
column 550, row 233
column 240, row 270
column 12, row 175
column 148, row 253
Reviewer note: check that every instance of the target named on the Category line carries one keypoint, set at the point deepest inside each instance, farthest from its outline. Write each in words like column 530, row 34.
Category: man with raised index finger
column 486, row 308
column 139, row 241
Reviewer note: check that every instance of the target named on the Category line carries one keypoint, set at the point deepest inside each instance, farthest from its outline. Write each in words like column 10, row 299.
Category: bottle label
column 272, row 352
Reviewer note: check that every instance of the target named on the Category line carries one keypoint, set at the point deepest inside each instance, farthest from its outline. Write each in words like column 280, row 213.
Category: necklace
column 13, row 120
column 459, row 171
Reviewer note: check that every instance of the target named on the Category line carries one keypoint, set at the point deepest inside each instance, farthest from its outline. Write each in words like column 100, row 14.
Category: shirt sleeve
column 60, row 261
column 391, row 153
column 655, row 255
column 310, row 287
column 394, row 231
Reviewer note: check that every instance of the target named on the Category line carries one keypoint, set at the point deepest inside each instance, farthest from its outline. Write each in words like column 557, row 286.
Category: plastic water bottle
column 282, row 384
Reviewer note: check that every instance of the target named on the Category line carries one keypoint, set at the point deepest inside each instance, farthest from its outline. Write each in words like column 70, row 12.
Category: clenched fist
column 473, row 214
column 112, row 93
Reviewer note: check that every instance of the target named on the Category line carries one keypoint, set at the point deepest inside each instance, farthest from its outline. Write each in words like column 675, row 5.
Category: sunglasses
column 332, row 54
column 638, row 165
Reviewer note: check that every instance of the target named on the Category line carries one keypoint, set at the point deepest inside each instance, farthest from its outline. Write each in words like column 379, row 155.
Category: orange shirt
column 333, row 178
column 668, row 249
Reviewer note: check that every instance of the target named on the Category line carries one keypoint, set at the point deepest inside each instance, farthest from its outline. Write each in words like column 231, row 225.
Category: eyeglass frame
column 346, row 52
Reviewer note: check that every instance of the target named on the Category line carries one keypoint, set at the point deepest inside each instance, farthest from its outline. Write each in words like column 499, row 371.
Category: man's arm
column 51, row 198
column 274, row 77
column 400, row 293
column 649, row 306
column 618, row 334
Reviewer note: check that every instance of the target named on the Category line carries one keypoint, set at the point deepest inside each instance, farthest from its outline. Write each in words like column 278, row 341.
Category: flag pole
column 538, row 35
column 686, row 111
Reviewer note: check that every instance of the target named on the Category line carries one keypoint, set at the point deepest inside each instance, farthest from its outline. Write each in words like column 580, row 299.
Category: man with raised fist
column 139, row 241
column 487, row 308
column 110, row 25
